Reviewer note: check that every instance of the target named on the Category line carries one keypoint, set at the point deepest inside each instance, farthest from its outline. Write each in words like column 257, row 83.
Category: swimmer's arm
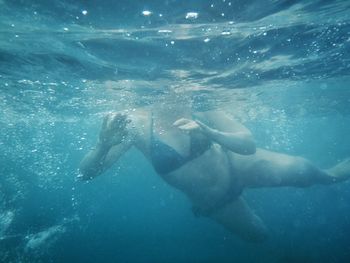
column 228, row 133
column 237, row 142
column 101, row 158
column 114, row 140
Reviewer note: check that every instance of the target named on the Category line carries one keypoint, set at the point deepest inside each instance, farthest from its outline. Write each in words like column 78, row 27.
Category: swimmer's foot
column 341, row 171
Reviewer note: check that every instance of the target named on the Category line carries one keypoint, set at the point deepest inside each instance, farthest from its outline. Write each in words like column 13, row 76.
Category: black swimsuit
column 165, row 159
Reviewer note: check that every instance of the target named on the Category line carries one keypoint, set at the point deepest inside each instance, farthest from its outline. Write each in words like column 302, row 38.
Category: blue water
column 281, row 67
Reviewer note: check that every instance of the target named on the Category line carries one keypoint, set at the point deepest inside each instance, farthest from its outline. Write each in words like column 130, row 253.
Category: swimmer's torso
column 205, row 178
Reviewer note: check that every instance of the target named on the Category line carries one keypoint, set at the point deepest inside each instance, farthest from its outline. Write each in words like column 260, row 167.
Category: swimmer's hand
column 192, row 126
column 113, row 130
column 187, row 125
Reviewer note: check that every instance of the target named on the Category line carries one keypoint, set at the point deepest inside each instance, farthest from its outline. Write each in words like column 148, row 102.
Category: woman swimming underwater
column 209, row 157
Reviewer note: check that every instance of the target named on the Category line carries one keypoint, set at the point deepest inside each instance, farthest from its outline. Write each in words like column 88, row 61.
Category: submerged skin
column 232, row 162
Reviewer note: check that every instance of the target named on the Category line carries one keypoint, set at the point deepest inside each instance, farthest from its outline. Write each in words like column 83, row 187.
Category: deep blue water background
column 281, row 67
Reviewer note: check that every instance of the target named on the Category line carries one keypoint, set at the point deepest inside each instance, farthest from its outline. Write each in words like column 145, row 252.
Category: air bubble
column 191, row 15
column 146, row 13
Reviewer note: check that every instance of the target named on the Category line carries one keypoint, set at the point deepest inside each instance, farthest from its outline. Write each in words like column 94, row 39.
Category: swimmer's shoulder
column 140, row 118
column 222, row 121
column 139, row 114
column 210, row 113
column 214, row 116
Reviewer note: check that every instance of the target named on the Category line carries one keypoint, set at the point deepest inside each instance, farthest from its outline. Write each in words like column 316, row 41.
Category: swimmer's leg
column 341, row 171
column 274, row 170
column 303, row 174
column 239, row 219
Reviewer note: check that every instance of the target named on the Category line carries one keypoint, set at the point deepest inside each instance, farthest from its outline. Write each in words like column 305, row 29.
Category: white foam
column 44, row 238
column 6, row 219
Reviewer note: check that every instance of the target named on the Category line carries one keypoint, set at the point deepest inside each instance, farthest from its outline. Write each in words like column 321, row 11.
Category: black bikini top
column 165, row 159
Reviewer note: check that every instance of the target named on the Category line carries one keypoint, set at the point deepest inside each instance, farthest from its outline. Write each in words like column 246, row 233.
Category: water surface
column 280, row 67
